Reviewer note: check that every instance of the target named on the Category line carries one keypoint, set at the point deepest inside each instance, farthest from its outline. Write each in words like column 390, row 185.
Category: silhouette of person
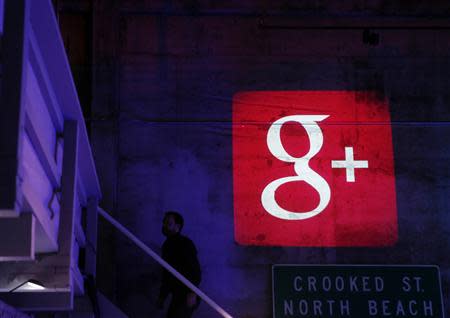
column 180, row 252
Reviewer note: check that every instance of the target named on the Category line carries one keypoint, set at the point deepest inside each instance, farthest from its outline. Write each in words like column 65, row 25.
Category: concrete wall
column 165, row 74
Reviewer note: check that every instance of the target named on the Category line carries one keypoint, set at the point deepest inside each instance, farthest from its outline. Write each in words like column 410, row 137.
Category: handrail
column 163, row 263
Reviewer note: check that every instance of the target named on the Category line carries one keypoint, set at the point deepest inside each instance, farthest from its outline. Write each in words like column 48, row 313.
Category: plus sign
column 350, row 164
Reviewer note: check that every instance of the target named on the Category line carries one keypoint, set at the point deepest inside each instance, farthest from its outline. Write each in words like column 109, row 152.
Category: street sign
column 356, row 291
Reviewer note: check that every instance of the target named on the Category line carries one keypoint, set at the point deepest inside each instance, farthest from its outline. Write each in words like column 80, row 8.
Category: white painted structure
column 49, row 189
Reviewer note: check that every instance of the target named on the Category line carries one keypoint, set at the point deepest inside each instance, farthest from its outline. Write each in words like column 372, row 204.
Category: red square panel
column 313, row 168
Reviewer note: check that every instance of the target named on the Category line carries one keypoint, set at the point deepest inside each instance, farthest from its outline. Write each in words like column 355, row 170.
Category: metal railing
column 163, row 263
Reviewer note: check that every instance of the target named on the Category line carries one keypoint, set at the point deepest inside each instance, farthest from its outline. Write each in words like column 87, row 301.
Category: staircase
column 49, row 187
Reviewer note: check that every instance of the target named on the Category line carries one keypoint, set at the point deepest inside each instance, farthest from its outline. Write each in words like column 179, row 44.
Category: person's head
column 172, row 223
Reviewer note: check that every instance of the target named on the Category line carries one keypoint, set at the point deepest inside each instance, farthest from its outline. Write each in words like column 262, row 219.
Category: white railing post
column 163, row 263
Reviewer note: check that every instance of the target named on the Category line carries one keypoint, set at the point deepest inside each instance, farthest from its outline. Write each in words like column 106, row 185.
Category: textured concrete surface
column 165, row 76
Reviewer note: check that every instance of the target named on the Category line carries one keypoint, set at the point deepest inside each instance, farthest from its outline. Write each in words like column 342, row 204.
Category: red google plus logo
column 290, row 153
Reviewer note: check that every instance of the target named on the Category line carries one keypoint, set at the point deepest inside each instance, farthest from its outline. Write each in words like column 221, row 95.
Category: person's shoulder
column 186, row 240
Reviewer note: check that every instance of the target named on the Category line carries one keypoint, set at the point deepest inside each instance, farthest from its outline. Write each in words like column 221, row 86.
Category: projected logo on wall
column 313, row 168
